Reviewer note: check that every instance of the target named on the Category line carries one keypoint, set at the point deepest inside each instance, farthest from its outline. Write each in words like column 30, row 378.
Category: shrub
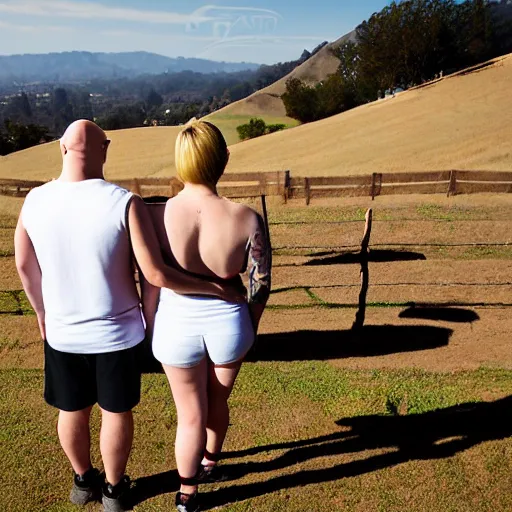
column 256, row 128
column 271, row 128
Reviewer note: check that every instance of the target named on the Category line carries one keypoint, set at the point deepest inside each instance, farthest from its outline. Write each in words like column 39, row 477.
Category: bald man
column 73, row 246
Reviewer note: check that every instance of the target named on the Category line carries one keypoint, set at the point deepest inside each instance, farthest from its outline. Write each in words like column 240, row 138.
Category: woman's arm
column 259, row 269
column 150, row 295
column 149, row 259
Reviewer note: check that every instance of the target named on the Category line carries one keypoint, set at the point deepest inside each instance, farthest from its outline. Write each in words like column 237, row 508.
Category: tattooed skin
column 259, row 265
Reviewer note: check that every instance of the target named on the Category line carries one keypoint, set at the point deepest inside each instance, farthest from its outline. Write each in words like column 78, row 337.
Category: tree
column 18, row 136
column 129, row 116
column 62, row 110
column 153, row 100
column 300, row 101
column 24, row 105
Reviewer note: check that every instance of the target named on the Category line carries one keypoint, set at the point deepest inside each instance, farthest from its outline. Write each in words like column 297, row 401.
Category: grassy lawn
column 304, row 436
column 315, row 427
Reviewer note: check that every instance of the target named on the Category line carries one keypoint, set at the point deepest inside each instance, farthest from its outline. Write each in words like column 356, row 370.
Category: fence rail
column 280, row 183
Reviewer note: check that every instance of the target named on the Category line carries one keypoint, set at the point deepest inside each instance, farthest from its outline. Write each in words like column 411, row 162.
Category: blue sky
column 260, row 31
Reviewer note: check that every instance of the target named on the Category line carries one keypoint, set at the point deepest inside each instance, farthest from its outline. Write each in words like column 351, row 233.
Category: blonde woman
column 201, row 342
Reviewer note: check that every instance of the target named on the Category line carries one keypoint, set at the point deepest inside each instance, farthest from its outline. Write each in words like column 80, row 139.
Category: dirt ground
column 429, row 306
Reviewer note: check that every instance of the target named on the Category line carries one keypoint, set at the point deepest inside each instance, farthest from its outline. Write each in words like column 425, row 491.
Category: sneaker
column 187, row 502
column 86, row 487
column 211, row 474
column 115, row 497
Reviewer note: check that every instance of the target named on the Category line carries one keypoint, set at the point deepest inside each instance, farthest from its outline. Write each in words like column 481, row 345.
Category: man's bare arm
column 149, row 258
column 30, row 273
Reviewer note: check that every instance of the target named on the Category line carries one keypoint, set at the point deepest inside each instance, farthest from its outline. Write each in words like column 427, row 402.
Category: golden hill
column 133, row 153
column 267, row 102
column 459, row 122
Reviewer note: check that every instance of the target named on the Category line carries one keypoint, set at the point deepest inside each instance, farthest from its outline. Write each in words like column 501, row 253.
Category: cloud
column 170, row 37
column 87, row 10
column 33, row 28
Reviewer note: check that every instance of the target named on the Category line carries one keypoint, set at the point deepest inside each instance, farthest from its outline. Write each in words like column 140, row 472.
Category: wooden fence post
column 452, row 186
column 365, row 277
column 376, row 176
column 286, row 192
column 307, row 190
column 263, row 183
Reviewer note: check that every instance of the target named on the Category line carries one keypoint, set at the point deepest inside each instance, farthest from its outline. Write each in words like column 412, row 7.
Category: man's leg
column 116, row 440
column 118, row 378
column 70, row 387
column 74, row 436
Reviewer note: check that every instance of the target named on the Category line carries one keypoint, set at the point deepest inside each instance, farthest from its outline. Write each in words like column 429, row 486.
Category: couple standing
column 75, row 243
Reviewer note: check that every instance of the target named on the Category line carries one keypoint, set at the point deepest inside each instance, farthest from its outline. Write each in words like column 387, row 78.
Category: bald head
column 84, row 148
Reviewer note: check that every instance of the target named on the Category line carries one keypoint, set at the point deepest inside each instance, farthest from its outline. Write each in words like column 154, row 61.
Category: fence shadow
column 374, row 256
column 372, row 340
column 455, row 315
column 427, row 436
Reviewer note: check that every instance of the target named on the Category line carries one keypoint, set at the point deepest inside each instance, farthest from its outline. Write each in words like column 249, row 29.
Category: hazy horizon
column 262, row 32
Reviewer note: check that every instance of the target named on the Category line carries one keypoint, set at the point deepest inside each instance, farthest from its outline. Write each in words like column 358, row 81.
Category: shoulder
column 40, row 192
column 115, row 189
column 245, row 213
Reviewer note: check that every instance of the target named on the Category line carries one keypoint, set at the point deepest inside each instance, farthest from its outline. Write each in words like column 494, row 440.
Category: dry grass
column 392, row 450
column 138, row 152
column 458, row 122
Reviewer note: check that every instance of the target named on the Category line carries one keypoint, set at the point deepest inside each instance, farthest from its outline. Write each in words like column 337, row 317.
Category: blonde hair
column 201, row 153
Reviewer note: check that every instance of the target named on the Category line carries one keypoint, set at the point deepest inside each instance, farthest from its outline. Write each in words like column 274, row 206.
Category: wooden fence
column 379, row 184
column 240, row 185
column 280, row 183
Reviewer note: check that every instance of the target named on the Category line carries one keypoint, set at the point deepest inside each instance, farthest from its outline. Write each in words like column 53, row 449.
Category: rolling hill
column 77, row 66
column 267, row 101
column 459, row 122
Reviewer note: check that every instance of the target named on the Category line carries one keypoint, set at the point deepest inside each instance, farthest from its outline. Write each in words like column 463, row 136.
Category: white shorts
column 188, row 329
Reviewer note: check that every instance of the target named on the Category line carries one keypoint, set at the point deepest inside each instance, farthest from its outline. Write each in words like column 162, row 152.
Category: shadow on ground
column 151, row 486
column 369, row 341
column 375, row 256
column 312, row 345
column 455, row 315
column 432, row 435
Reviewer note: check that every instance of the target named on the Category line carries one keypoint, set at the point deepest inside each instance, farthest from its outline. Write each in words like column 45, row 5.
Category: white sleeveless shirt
column 81, row 240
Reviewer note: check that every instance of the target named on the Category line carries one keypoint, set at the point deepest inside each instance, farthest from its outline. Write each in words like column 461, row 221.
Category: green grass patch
column 228, row 124
column 15, row 302
column 487, row 253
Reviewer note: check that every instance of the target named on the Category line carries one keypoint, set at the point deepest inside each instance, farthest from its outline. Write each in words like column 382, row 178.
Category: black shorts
column 73, row 382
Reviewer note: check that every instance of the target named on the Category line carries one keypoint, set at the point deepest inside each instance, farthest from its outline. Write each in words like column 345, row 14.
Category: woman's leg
column 220, row 384
column 188, row 386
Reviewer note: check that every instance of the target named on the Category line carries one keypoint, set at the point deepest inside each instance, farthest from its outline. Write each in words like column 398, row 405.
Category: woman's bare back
column 208, row 235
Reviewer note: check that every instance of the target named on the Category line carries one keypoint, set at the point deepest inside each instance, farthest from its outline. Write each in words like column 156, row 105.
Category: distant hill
column 79, row 66
column 267, row 101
